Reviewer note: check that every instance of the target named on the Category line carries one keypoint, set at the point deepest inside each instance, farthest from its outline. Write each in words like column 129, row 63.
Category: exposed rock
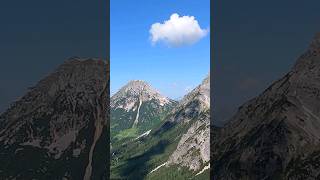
column 138, row 105
column 193, row 150
column 128, row 95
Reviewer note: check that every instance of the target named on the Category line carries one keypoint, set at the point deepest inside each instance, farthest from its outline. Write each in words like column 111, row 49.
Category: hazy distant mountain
column 277, row 134
column 136, row 108
column 58, row 130
column 176, row 149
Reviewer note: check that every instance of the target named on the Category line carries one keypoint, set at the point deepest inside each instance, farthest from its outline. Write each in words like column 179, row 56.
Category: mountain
column 193, row 148
column 178, row 148
column 58, row 129
column 275, row 135
column 136, row 108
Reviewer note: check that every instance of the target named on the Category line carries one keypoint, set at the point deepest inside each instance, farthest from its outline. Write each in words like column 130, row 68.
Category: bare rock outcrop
column 193, row 150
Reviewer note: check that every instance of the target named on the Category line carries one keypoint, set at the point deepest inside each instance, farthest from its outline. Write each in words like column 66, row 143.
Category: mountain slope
column 196, row 139
column 136, row 108
column 59, row 128
column 268, row 136
column 180, row 142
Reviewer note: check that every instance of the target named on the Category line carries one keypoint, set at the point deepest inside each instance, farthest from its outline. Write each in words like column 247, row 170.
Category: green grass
column 127, row 134
column 135, row 159
column 177, row 173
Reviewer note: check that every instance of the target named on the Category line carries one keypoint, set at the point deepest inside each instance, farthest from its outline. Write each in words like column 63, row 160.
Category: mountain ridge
column 139, row 88
column 55, row 128
column 271, row 131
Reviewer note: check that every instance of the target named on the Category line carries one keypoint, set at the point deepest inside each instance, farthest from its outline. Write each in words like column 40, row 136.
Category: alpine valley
column 277, row 134
column 59, row 128
column 154, row 137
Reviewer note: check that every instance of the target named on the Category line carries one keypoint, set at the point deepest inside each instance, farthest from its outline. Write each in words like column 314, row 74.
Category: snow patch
column 163, row 101
column 144, row 134
column 205, row 168
column 138, row 111
column 34, row 143
column 158, row 167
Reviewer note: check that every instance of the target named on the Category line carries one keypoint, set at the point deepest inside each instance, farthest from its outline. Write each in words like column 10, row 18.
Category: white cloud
column 177, row 31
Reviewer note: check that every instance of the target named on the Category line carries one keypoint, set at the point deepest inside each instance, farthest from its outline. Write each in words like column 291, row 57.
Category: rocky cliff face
column 138, row 106
column 275, row 135
column 56, row 130
column 193, row 150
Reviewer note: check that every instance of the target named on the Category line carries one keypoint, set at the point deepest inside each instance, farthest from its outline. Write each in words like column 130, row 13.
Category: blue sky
column 171, row 70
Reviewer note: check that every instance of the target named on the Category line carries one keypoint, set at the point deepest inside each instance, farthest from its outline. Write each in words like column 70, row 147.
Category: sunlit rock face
column 138, row 105
column 193, row 150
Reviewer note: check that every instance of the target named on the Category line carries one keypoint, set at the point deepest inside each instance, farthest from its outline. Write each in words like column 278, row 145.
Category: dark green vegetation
column 137, row 158
column 121, row 119
column 177, row 173
column 151, row 114
column 27, row 162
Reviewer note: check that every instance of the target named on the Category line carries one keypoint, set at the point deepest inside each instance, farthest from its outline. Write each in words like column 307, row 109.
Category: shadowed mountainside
column 275, row 135
column 58, row 130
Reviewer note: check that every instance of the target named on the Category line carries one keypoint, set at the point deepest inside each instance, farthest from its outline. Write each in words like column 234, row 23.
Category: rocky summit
column 136, row 108
column 277, row 134
column 177, row 148
column 58, row 130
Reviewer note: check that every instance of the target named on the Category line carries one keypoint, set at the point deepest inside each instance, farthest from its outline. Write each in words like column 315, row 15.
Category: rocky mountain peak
column 201, row 93
column 84, row 77
column 63, row 116
column 137, row 87
column 191, row 106
column 138, row 90
column 299, row 88
column 275, row 127
column 309, row 59
column 137, row 105
column 73, row 84
column 315, row 43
